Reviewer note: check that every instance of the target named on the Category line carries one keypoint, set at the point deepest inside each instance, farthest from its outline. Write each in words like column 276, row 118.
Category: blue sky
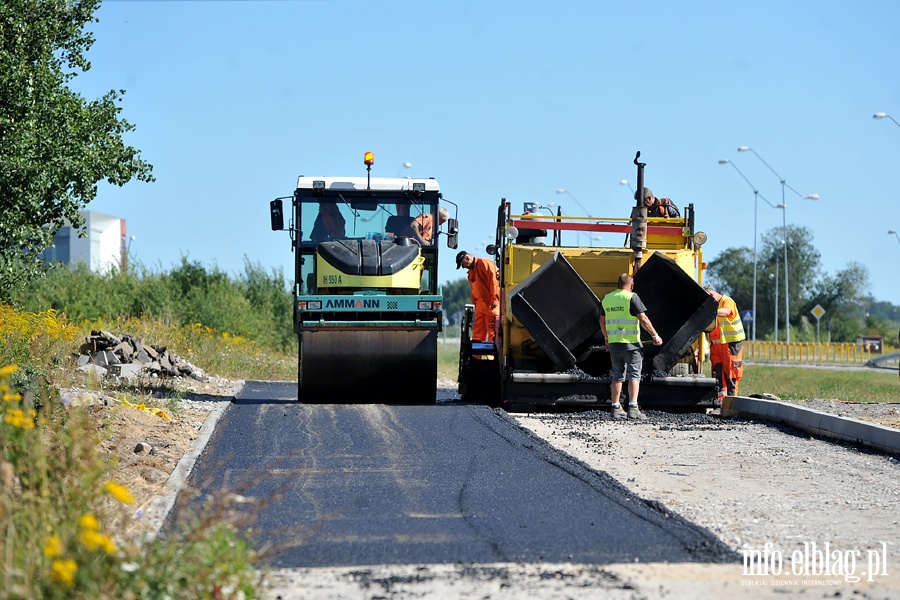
column 233, row 100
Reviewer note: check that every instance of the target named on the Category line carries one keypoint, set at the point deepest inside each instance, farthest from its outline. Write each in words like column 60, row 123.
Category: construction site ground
column 755, row 485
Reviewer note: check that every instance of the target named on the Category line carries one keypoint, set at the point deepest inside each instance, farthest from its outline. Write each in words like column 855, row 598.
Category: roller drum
column 368, row 366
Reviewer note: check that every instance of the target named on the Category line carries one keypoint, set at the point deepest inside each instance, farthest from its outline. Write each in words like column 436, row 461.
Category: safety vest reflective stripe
column 624, row 329
column 732, row 331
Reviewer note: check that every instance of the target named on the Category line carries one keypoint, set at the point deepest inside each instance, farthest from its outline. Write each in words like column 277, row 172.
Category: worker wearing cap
column 485, row 293
column 658, row 207
column 726, row 351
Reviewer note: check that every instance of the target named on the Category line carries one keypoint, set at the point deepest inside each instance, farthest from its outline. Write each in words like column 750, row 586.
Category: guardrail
column 844, row 352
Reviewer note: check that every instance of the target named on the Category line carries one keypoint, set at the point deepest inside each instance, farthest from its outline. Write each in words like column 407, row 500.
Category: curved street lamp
column 881, row 115
column 625, row 182
column 891, row 231
column 756, row 197
column 783, row 206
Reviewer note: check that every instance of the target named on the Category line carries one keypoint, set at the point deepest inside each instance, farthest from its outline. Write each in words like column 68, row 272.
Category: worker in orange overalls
column 423, row 225
column 485, row 294
column 726, row 352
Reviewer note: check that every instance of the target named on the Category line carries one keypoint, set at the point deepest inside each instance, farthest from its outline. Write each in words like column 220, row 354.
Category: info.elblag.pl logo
column 816, row 561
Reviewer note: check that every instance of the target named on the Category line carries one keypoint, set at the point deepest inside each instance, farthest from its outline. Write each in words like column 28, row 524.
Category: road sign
column 817, row 311
column 747, row 316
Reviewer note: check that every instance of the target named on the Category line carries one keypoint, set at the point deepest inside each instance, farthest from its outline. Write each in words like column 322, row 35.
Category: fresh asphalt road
column 364, row 484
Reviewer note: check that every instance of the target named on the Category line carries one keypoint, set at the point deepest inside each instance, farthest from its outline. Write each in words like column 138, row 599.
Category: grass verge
column 63, row 517
column 806, row 383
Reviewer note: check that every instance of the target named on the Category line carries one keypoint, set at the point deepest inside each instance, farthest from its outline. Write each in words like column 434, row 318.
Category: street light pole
column 891, row 231
column 776, row 296
column 586, row 211
column 783, row 206
column 881, row 115
column 756, row 197
column 625, row 182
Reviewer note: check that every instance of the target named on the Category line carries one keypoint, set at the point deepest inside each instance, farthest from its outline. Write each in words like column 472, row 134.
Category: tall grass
column 255, row 304
column 63, row 517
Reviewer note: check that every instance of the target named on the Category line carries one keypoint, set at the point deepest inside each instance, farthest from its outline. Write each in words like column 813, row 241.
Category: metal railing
column 811, row 352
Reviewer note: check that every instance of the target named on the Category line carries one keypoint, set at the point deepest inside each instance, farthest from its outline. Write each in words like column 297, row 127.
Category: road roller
column 367, row 302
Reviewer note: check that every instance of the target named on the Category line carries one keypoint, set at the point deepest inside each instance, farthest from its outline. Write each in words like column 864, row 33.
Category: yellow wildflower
column 119, row 492
column 88, row 521
column 8, row 370
column 53, row 546
column 64, row 571
column 94, row 540
column 19, row 418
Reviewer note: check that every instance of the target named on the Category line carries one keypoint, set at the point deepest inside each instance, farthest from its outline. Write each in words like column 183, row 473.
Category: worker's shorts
column 627, row 364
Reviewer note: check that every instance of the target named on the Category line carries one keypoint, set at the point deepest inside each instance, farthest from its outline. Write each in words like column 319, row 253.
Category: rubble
column 126, row 356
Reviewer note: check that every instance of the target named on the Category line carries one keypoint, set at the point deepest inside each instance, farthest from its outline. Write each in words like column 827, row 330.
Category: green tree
column 843, row 295
column 55, row 146
column 456, row 295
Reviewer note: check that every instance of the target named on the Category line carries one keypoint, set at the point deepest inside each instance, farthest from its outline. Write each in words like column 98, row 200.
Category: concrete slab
column 814, row 421
column 125, row 370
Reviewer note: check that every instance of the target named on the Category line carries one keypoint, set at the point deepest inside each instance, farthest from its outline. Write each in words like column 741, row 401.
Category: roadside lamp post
column 775, row 275
column 625, row 182
column 881, row 115
column 756, row 197
column 891, row 231
column 783, row 206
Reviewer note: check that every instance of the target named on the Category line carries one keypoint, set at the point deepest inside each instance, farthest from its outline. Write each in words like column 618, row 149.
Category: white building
column 103, row 248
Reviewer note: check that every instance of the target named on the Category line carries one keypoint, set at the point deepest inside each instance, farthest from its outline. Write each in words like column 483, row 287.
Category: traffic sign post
column 747, row 316
column 817, row 312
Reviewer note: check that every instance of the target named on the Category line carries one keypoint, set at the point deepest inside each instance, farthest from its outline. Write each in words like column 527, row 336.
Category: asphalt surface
column 344, row 485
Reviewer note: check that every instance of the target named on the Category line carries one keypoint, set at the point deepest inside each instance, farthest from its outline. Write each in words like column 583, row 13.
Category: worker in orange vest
column 485, row 293
column 726, row 352
column 658, row 207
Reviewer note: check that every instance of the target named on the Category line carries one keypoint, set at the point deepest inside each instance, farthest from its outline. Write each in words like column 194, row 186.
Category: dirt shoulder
column 146, row 434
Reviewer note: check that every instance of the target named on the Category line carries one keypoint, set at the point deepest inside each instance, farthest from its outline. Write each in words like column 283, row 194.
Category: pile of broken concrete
column 126, row 356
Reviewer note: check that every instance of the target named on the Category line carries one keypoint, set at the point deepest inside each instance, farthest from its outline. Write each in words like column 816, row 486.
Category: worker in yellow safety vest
column 726, row 352
column 622, row 313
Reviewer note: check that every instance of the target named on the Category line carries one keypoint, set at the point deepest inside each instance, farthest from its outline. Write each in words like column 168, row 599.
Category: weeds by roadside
column 63, row 517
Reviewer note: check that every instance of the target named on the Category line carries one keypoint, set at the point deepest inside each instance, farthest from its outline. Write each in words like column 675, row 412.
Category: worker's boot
column 617, row 412
column 635, row 413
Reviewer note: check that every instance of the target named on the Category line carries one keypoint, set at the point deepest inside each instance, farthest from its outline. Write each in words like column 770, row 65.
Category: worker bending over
column 485, row 293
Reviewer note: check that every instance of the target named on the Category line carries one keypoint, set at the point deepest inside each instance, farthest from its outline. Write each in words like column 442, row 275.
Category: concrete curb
column 814, row 421
column 161, row 506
